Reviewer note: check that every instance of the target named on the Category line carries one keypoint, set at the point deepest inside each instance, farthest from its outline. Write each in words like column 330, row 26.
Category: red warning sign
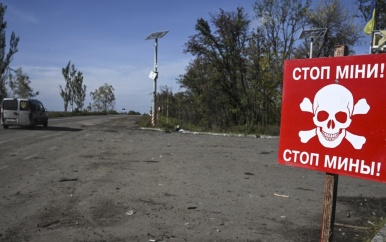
column 334, row 115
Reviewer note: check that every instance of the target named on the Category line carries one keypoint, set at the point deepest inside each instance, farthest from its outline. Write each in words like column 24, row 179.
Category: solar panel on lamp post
column 154, row 74
column 313, row 34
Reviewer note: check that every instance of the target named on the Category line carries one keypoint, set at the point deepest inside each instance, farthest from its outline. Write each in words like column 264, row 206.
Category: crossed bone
column 361, row 107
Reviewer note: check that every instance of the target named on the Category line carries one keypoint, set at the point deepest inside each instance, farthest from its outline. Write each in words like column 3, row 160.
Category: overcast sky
column 106, row 42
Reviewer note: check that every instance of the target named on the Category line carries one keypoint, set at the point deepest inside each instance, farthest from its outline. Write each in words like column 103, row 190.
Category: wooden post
column 331, row 185
column 329, row 205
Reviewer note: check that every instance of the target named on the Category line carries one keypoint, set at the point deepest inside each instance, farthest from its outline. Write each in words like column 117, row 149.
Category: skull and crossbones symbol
column 333, row 108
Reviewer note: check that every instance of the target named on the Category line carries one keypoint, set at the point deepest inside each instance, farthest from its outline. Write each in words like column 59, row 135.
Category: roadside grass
column 373, row 230
column 170, row 125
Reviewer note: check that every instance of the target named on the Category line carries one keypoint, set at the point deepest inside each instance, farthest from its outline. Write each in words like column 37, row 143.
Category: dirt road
column 105, row 179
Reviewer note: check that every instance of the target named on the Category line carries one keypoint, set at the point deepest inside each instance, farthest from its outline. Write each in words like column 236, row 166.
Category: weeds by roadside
column 373, row 230
column 170, row 124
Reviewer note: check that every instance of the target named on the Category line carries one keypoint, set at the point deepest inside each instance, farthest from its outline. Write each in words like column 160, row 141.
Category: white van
column 23, row 112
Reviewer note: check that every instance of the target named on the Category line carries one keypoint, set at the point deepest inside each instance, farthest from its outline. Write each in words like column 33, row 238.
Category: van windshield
column 10, row 104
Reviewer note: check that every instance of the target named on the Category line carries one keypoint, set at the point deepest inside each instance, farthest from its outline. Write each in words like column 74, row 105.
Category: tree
column 104, row 98
column 341, row 29
column 79, row 94
column 5, row 58
column 66, row 92
column 74, row 91
column 20, row 85
column 236, row 75
column 264, row 91
column 221, row 52
column 280, row 21
column 272, row 43
column 201, row 103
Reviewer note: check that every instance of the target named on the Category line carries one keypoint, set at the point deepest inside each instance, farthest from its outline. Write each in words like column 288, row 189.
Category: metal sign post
column 154, row 74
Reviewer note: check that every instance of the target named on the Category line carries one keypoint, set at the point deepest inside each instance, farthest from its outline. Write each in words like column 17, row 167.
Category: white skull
column 332, row 108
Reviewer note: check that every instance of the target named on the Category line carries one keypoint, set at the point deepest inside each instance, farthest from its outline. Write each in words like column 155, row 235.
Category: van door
column 43, row 114
column 38, row 112
column 10, row 114
column 24, row 112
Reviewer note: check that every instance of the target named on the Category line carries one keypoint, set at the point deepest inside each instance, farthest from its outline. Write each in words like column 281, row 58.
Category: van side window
column 24, row 105
column 10, row 104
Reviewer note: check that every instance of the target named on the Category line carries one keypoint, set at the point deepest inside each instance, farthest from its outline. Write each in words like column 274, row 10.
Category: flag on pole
column 371, row 22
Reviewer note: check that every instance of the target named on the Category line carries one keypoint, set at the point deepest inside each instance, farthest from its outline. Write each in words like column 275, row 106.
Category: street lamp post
column 154, row 73
column 313, row 34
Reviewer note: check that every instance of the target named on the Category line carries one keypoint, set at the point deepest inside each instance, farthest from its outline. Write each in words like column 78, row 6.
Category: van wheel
column 45, row 124
column 5, row 126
